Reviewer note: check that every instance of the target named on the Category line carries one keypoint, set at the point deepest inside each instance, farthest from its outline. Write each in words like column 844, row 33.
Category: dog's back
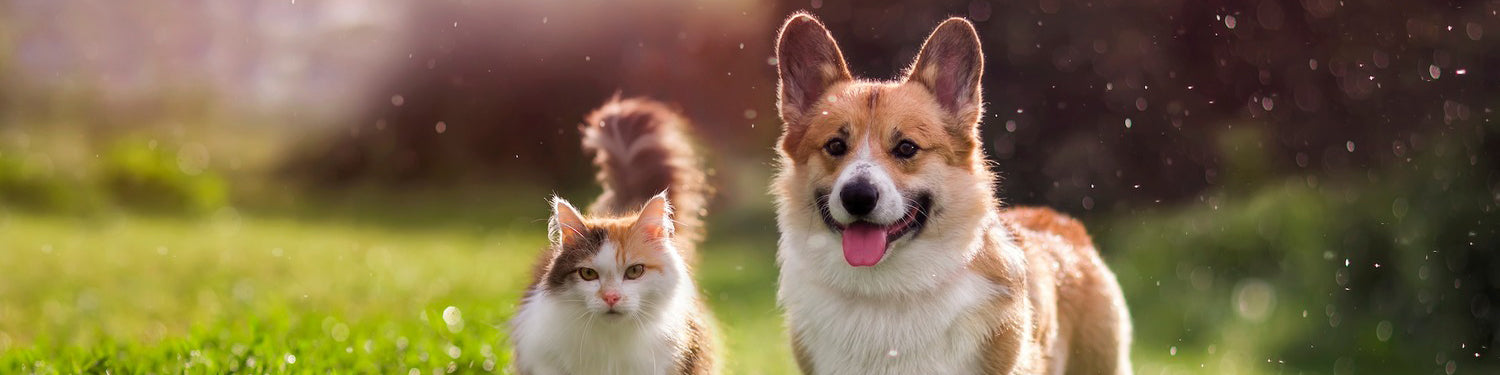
column 1073, row 293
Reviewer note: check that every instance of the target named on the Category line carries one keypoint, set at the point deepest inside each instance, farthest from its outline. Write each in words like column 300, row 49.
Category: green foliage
column 133, row 174
column 145, row 176
column 31, row 183
column 1381, row 272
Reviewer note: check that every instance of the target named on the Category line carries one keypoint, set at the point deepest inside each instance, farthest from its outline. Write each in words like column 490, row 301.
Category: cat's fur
column 612, row 323
column 930, row 276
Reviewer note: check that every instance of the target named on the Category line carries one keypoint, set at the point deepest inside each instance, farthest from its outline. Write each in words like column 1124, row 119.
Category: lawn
column 424, row 282
column 368, row 289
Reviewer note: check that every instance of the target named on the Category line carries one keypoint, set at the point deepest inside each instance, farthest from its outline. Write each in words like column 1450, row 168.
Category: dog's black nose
column 859, row 197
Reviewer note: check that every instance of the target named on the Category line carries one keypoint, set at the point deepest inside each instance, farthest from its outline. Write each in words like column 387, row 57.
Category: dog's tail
column 641, row 149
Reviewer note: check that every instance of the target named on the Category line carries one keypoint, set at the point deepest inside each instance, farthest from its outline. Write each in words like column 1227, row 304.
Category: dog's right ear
column 809, row 62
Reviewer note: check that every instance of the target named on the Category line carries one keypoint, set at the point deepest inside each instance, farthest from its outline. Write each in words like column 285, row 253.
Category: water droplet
column 398, row 100
column 1434, row 71
column 1010, row 125
column 1255, row 299
column 193, row 159
column 441, row 127
column 1229, row 22
column 454, row 318
column 1172, row 351
column 290, row 359
column 340, row 332
column 1267, row 104
column 1349, row 146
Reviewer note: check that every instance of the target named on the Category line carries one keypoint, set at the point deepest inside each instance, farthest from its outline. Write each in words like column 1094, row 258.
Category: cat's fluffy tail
column 641, row 149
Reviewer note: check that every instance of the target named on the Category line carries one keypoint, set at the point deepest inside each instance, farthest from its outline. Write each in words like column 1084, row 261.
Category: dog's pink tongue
column 864, row 244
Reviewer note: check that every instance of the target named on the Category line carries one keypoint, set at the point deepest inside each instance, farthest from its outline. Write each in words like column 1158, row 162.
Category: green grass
column 268, row 293
column 361, row 283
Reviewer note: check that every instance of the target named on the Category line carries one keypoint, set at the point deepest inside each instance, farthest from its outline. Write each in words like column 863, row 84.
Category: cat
column 613, row 294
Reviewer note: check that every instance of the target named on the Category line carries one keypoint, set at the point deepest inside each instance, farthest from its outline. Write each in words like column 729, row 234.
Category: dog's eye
column 635, row 271
column 906, row 149
column 836, row 147
column 588, row 274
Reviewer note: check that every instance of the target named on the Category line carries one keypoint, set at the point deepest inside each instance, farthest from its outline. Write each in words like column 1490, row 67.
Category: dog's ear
column 809, row 62
column 950, row 66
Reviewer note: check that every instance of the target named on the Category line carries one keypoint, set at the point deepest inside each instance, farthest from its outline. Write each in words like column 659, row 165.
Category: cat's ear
column 566, row 227
column 809, row 63
column 950, row 66
column 655, row 220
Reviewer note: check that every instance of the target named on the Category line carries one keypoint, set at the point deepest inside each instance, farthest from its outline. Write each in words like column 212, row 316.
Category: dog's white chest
column 934, row 335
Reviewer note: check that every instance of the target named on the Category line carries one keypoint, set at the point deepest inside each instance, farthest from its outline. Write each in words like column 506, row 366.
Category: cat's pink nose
column 610, row 298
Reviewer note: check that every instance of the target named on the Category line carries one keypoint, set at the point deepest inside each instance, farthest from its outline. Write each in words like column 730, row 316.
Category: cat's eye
column 906, row 149
column 588, row 274
column 635, row 271
column 835, row 147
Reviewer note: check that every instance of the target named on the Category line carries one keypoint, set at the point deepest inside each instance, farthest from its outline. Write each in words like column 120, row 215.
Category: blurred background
column 1282, row 186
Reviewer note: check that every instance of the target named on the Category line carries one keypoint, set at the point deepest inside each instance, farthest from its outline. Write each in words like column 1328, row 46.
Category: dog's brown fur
column 1066, row 313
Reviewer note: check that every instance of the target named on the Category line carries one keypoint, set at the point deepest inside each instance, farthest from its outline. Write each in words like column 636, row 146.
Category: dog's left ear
column 950, row 66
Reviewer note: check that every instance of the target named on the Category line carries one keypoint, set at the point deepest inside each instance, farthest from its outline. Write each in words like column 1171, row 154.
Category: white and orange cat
column 613, row 293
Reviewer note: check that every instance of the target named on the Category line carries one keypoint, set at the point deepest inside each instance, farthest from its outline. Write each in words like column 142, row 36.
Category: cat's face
column 615, row 267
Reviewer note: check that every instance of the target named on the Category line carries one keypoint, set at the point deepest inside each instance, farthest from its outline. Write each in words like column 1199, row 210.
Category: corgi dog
column 895, row 255
column 613, row 294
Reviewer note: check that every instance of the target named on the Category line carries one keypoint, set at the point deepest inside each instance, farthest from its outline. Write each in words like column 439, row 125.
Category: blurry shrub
column 142, row 175
column 30, row 183
column 1392, row 270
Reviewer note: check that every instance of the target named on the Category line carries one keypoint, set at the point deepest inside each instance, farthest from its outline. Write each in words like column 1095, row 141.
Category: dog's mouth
column 866, row 243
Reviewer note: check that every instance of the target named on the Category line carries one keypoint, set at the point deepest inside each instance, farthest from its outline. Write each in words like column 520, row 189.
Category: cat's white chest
column 551, row 339
column 934, row 335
